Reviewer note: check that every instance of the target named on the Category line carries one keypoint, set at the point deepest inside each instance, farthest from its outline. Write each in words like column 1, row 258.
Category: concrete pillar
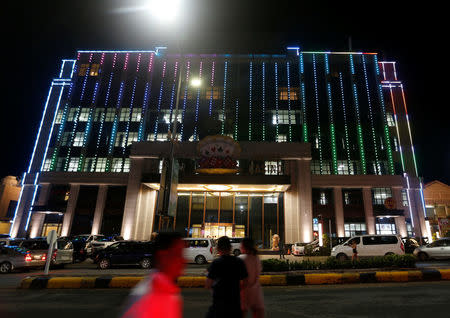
column 145, row 213
column 22, row 211
column 70, row 210
column 132, row 196
column 99, row 207
column 304, row 202
column 339, row 212
column 420, row 228
column 291, row 229
column 400, row 224
column 368, row 210
column 37, row 221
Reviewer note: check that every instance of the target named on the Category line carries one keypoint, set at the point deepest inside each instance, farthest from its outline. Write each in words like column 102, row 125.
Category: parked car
column 13, row 257
column 370, row 245
column 79, row 245
column 236, row 245
column 438, row 249
column 199, row 250
column 125, row 253
column 99, row 243
column 410, row 244
column 62, row 253
column 11, row 241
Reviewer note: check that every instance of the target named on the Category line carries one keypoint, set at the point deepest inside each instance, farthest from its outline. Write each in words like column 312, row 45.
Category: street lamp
column 164, row 10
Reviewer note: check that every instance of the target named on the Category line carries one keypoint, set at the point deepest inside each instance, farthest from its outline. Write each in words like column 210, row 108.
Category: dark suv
column 126, row 253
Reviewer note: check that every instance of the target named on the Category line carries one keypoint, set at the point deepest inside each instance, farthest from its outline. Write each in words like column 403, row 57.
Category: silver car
column 62, row 254
column 438, row 249
column 13, row 257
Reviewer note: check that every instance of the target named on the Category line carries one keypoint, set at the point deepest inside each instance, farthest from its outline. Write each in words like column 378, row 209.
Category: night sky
column 44, row 32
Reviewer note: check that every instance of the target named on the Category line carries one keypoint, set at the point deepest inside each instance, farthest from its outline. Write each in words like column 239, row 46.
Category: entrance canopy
column 227, row 187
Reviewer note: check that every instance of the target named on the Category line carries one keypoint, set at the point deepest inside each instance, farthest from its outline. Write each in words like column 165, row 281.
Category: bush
column 389, row 261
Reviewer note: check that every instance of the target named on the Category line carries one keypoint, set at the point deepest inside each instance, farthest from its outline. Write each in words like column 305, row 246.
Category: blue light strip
column 264, row 101
column 250, row 103
column 316, row 93
column 124, row 146
column 224, row 97
column 62, row 68
column 212, row 88
column 276, row 101
column 303, row 98
column 289, row 101
column 32, row 200
column 116, row 120
column 197, row 104
column 347, row 143
column 147, row 92
column 155, row 130
column 186, row 85
column 172, row 96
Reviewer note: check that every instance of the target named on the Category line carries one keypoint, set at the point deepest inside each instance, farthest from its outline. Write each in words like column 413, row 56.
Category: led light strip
column 197, row 104
column 330, row 109
column 347, row 143
column 316, row 94
column 212, row 88
column 276, row 100
column 224, row 96
column 372, row 126
column 147, row 92
column 289, row 101
column 264, row 100
column 303, row 98
column 172, row 96
column 188, row 68
column 359, row 127
column 236, row 120
column 35, row 185
column 397, row 129
column 155, row 130
column 250, row 102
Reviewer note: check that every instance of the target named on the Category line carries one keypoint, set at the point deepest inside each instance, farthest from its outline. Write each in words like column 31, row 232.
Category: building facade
column 437, row 201
column 325, row 140
column 9, row 194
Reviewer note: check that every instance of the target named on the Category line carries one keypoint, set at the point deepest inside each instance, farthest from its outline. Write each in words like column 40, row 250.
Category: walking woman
column 251, row 295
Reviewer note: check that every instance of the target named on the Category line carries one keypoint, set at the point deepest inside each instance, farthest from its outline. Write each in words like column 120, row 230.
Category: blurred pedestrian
column 282, row 251
column 353, row 245
column 225, row 275
column 159, row 295
column 251, row 296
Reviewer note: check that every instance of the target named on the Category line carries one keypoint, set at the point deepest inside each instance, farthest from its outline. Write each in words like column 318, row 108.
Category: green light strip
column 303, row 98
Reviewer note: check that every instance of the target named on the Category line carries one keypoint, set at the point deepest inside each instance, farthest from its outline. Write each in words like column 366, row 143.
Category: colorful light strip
column 236, row 120
column 276, row 101
column 224, row 96
column 188, row 68
column 250, row 101
column 212, row 88
column 197, row 104
column 141, row 136
column 409, row 130
column 303, row 98
column 347, row 142
column 158, row 110
column 316, row 95
column 289, row 101
column 264, row 100
column 330, row 109
column 172, row 97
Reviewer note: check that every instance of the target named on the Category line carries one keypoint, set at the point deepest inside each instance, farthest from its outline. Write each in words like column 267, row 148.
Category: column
column 70, row 209
column 304, row 201
column 145, row 211
column 400, row 222
column 99, row 207
column 339, row 212
column 37, row 221
column 131, row 200
column 368, row 210
column 291, row 229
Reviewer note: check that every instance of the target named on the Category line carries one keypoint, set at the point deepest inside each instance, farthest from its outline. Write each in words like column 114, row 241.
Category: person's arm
column 208, row 283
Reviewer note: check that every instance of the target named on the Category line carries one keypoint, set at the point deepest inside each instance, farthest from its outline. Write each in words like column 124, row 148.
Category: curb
column 265, row 280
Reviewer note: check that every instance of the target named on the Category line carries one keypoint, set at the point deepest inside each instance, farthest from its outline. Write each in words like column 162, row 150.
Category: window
column 98, row 114
column 88, row 165
column 390, row 120
column 59, row 116
column 72, row 114
column 380, row 194
column 285, row 94
column 60, row 164
column 78, row 140
column 404, row 197
column 120, row 139
column 342, row 167
column 323, row 198
column 117, row 165
column 66, row 138
column 166, row 116
column 47, row 164
column 73, row 164
column 94, row 69
column 132, row 137
column 377, row 240
column 273, row 168
column 159, row 137
column 409, row 229
column 352, row 229
column 126, row 165
column 124, row 114
column 136, row 114
column 326, row 167
column 101, row 165
column 388, row 228
column 83, row 69
column 396, row 148
column 283, row 117
column 315, row 166
column 84, row 114
column 281, row 138
column 109, row 116
column 216, row 93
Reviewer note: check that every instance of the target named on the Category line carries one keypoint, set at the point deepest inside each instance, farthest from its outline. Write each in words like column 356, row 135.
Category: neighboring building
column 9, row 194
column 437, row 200
column 324, row 136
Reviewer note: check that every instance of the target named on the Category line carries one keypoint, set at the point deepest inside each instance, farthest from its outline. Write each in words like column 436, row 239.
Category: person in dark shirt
column 225, row 276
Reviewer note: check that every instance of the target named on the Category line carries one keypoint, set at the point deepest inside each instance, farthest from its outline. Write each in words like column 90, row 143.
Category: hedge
column 388, row 261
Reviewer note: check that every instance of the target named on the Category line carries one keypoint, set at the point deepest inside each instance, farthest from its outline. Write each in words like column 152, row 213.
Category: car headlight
column 333, row 249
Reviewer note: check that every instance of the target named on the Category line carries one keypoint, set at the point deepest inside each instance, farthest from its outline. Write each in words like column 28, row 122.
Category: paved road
column 422, row 299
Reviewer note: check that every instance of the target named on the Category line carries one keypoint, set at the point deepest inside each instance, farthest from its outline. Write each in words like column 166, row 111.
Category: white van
column 199, row 250
column 370, row 245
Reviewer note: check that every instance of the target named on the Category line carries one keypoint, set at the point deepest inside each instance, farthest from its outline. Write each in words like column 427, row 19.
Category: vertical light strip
column 276, row 101
column 409, row 198
column 186, row 86
column 347, row 142
column 155, row 130
column 264, row 101
column 236, row 120
column 289, row 101
column 116, row 121
column 35, row 185
column 212, row 88
column 172, row 96
column 224, row 96
column 250, row 102
column 330, row 109
column 197, row 104
column 358, row 118
column 397, row 129
column 372, row 125
column 148, row 86
column 303, row 98
column 409, row 130
column 316, row 94
column 62, row 68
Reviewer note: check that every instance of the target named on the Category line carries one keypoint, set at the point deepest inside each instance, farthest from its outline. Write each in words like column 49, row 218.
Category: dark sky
column 44, row 32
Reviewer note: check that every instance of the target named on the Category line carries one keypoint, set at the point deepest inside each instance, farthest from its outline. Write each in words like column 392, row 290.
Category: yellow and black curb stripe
column 266, row 280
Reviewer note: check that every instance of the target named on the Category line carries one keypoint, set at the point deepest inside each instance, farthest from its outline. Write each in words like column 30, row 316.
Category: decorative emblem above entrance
column 218, row 155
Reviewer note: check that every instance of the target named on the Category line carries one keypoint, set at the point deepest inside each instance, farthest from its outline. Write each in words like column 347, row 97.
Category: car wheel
column 237, row 252
column 200, row 259
column 423, row 256
column 104, row 263
column 389, row 253
column 146, row 263
column 342, row 257
column 5, row 267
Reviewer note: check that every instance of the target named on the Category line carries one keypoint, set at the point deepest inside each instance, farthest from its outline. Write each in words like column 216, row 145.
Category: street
column 368, row 300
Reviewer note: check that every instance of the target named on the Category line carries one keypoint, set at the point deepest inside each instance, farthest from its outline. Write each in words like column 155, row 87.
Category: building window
column 315, row 166
column 72, row 114
column 216, row 93
column 88, row 165
column 83, row 69
column 384, row 228
column 101, row 165
column 273, row 168
column 409, row 229
column 124, row 114
column 281, row 138
column 132, row 137
column 396, row 148
column 166, row 116
column 66, row 138
column 116, row 165
column 283, row 117
column 84, row 114
column 59, row 116
column 110, row 113
column 390, row 119
column 159, row 137
column 126, row 165
column 323, row 198
column 352, row 229
column 404, row 197
column 283, row 93
column 60, row 164
column 78, row 140
column 380, row 194
column 47, row 164
column 136, row 114
column 120, row 139
column 94, row 70
column 73, row 164
column 347, row 198
column 343, row 167
column 98, row 114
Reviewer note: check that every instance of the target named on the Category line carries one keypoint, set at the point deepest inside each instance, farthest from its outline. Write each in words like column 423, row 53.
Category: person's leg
column 258, row 313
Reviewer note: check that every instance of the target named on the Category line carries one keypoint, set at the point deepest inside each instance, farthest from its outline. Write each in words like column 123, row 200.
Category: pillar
column 291, row 229
column 37, row 221
column 400, row 222
column 304, row 201
column 99, row 207
column 339, row 212
column 70, row 209
column 368, row 210
column 145, row 213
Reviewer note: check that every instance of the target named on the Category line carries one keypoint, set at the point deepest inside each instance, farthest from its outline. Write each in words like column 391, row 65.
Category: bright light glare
column 164, row 10
column 196, row 82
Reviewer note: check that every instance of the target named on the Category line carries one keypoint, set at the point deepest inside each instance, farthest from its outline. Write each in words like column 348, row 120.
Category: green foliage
column 388, row 261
